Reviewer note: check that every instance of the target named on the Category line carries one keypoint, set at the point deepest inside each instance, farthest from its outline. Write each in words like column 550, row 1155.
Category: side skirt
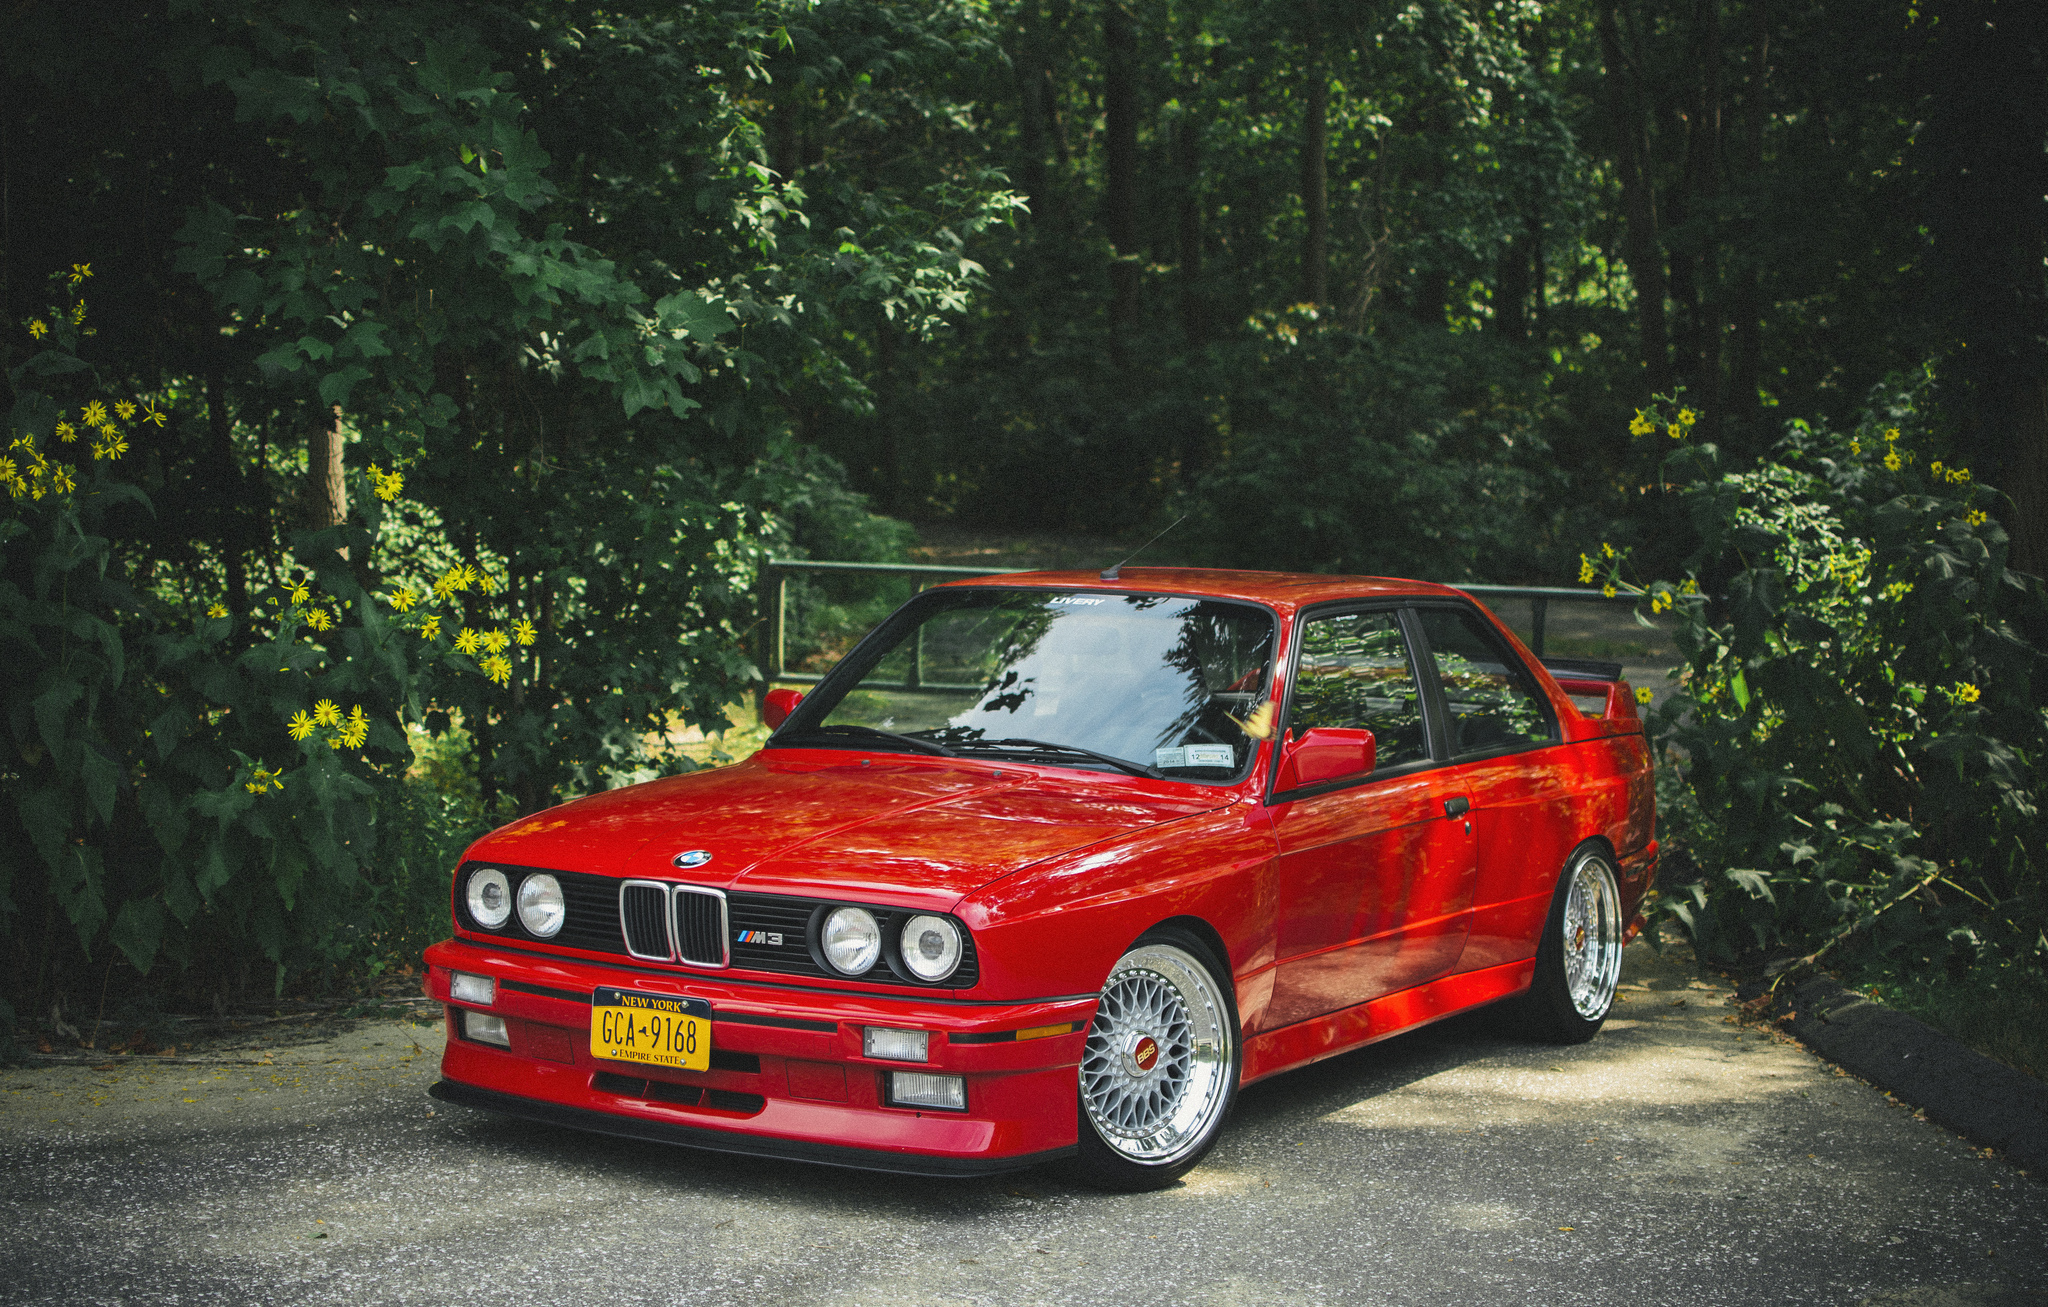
column 1274, row 1051
column 725, row 1141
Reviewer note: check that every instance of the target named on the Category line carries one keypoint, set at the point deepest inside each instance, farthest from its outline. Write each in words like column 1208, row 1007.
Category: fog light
column 896, row 1045
column 465, row 988
column 922, row 1089
column 486, row 1029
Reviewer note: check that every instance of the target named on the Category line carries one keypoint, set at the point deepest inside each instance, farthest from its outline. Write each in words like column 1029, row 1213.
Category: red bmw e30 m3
column 1050, row 865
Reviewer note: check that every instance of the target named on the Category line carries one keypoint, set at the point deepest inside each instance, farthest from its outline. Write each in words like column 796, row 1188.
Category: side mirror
column 1326, row 753
column 777, row 705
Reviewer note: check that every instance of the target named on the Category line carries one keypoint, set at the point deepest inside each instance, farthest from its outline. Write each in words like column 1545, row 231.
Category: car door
column 1500, row 733
column 1374, row 882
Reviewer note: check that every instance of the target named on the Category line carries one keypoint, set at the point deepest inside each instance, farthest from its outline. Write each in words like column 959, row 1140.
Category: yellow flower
column 389, row 487
column 1661, row 601
column 468, row 641
column 62, row 481
column 1644, row 695
column 1855, row 448
column 216, row 610
column 301, row 592
column 498, row 668
column 1977, row 517
column 95, row 414
column 1686, row 417
column 1891, row 460
column 110, row 447
column 431, row 628
column 66, row 432
column 1606, row 550
column 150, row 412
column 522, row 631
column 455, row 578
column 358, row 728
column 1891, row 434
column 318, row 619
column 1934, row 469
column 79, row 272
column 78, row 313
column 404, row 600
column 1960, row 476
column 1966, row 693
column 6, row 469
column 300, row 726
column 1640, row 425
column 36, row 330
column 326, row 713
column 1675, row 431
column 495, row 642
column 1608, row 590
column 125, row 407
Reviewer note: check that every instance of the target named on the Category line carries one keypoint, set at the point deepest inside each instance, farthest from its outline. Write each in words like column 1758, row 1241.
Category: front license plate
column 627, row 1025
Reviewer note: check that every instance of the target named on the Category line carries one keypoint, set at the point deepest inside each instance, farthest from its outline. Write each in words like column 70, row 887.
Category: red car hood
column 885, row 827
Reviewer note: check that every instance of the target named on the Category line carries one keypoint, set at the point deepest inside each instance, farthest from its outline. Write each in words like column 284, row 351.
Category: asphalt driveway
column 1678, row 1158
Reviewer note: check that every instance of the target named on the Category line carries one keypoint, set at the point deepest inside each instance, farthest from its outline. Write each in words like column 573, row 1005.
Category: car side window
column 1493, row 701
column 1355, row 671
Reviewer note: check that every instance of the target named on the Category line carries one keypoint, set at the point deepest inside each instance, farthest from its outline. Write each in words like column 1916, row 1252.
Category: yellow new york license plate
column 627, row 1025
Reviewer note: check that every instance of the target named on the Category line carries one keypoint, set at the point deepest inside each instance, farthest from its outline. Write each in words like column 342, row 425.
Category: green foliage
column 1861, row 719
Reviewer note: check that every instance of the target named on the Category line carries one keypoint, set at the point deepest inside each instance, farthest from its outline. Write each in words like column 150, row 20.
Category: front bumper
column 788, row 1077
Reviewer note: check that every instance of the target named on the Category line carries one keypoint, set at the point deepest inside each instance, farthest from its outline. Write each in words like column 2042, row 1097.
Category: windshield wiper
column 910, row 741
column 1122, row 764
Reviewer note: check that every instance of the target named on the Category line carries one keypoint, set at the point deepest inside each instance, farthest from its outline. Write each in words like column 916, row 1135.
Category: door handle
column 1457, row 806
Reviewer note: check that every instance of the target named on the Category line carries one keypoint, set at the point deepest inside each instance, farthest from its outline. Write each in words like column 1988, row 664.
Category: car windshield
column 1154, row 684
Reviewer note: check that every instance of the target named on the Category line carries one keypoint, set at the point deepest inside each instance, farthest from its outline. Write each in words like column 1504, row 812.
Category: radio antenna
column 1115, row 570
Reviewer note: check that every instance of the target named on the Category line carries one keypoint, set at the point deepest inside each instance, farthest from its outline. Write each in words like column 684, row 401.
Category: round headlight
column 931, row 947
column 490, row 898
column 541, row 909
column 852, row 940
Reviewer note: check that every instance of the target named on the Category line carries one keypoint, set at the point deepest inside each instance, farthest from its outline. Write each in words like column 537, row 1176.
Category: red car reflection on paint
column 1050, row 865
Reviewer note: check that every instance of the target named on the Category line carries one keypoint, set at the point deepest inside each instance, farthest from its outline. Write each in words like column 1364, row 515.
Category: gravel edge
column 1984, row 1100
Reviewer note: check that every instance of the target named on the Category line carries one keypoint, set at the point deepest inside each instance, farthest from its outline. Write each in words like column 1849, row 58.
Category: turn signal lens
column 486, row 1029
column 922, row 1089
column 896, row 1045
column 490, row 898
column 465, row 988
column 851, row 941
column 541, row 909
column 931, row 947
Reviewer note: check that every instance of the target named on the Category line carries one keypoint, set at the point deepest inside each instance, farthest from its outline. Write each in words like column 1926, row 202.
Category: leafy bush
column 1861, row 719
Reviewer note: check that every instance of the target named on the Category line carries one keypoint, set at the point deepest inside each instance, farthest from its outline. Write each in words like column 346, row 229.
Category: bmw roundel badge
column 693, row 858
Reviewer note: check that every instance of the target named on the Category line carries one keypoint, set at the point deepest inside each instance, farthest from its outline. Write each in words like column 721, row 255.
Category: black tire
column 1578, row 960
column 1159, row 1071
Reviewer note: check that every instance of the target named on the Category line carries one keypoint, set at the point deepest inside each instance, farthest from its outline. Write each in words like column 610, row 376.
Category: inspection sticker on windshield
column 1195, row 755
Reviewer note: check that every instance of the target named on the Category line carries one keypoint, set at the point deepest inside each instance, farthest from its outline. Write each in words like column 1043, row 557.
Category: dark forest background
column 630, row 297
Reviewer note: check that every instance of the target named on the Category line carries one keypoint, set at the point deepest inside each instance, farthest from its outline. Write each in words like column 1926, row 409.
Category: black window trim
column 1434, row 725
column 1440, row 707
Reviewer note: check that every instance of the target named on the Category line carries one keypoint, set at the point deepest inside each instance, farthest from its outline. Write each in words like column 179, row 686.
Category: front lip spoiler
column 723, row 1141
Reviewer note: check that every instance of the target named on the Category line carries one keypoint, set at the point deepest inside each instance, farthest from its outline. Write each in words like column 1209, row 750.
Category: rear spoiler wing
column 1591, row 679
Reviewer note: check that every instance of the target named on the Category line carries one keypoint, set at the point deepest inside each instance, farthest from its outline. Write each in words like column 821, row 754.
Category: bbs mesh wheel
column 1160, row 1066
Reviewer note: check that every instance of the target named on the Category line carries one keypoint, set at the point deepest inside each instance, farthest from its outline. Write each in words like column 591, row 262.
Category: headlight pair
column 929, row 946
column 542, row 909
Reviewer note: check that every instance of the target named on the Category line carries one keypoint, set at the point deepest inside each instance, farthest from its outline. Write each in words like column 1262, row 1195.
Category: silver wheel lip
column 1590, row 939
column 1159, row 1116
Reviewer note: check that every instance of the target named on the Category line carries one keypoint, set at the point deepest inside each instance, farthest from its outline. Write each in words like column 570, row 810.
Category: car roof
column 1286, row 591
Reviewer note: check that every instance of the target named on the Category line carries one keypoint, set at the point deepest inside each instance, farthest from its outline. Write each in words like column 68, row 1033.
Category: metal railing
column 776, row 574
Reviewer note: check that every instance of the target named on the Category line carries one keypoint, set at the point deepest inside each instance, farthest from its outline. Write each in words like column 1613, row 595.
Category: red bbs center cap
column 1146, row 1055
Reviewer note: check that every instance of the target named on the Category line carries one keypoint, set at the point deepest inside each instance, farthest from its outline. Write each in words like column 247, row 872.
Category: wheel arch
column 1211, row 939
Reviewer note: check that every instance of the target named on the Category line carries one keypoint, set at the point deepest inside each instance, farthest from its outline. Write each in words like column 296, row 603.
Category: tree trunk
column 1745, row 306
column 1315, row 177
column 1187, row 167
column 1641, row 245
column 1120, row 191
column 1034, row 89
column 326, row 498
column 1701, row 348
